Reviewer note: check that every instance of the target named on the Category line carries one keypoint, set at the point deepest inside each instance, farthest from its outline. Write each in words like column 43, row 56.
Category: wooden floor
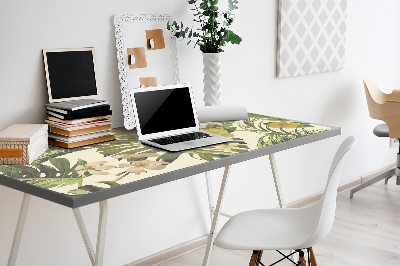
column 366, row 232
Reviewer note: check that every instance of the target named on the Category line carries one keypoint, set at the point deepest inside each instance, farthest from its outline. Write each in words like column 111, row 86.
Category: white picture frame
column 163, row 64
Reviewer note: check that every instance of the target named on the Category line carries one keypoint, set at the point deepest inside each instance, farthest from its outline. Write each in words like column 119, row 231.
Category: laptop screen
column 164, row 110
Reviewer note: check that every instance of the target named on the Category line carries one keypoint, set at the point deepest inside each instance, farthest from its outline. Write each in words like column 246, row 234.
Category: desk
column 91, row 174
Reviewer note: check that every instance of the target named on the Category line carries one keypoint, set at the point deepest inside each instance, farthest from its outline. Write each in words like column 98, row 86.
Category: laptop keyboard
column 180, row 138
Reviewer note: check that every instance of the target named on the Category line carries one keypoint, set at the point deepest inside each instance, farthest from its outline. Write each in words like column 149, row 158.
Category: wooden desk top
column 80, row 176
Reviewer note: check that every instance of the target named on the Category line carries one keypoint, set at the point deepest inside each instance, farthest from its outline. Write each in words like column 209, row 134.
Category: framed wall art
column 311, row 36
column 146, row 53
column 70, row 74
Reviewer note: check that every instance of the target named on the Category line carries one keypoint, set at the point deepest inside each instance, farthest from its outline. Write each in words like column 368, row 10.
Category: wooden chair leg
column 255, row 258
column 313, row 260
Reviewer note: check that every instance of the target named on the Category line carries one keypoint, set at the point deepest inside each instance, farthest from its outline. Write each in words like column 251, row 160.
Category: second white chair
column 287, row 229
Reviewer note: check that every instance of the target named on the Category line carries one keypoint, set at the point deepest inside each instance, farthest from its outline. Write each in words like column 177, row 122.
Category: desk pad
column 97, row 167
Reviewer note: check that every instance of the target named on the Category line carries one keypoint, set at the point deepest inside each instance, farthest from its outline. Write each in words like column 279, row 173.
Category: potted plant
column 212, row 35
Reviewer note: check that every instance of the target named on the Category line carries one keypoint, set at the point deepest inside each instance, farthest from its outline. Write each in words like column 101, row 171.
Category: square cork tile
column 137, row 58
column 155, row 39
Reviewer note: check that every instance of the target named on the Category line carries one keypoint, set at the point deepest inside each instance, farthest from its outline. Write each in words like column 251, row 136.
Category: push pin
column 132, row 59
column 151, row 43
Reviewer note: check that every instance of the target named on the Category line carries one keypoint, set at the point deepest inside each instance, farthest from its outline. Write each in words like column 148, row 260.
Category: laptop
column 166, row 118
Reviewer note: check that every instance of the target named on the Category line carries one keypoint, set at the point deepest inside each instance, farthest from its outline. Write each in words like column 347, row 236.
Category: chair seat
column 269, row 229
column 381, row 130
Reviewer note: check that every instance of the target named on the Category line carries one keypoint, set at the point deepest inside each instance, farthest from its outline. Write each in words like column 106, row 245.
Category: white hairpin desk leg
column 277, row 182
column 85, row 236
column 101, row 233
column 216, row 216
column 19, row 230
column 210, row 195
column 95, row 258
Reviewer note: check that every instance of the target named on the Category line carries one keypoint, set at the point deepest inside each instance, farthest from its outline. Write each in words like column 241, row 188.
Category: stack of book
column 79, row 123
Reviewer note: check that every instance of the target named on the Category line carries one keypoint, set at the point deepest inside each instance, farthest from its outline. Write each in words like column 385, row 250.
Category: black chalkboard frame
column 77, row 97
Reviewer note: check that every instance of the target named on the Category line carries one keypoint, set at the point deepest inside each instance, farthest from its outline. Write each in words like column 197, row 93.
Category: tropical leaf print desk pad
column 97, row 167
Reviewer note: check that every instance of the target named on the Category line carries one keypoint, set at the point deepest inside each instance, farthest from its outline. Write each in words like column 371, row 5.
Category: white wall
column 146, row 222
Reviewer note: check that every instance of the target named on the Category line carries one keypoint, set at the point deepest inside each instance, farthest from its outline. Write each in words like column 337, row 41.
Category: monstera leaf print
column 58, row 175
column 87, row 189
column 126, row 142
column 125, row 159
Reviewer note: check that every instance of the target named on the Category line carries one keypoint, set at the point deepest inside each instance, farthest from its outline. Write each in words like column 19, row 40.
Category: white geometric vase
column 212, row 75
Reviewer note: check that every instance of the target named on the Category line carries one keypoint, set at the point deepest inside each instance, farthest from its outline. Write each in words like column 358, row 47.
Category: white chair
column 287, row 229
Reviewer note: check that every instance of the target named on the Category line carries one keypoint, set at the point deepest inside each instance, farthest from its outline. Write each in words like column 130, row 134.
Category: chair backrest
column 382, row 106
column 373, row 98
column 327, row 203
column 377, row 95
column 376, row 99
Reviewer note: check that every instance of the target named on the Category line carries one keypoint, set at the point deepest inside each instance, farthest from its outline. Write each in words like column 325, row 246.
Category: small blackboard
column 70, row 74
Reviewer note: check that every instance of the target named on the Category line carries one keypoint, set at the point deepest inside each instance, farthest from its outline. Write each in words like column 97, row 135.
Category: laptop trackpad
column 198, row 142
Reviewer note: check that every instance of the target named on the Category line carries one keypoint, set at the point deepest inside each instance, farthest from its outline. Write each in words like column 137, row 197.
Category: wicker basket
column 23, row 143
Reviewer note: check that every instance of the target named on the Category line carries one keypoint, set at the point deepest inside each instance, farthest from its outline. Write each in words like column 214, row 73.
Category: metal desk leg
column 85, row 236
column 95, row 258
column 215, row 217
column 210, row 195
column 19, row 229
column 211, row 198
column 278, row 187
column 277, row 182
column 101, row 233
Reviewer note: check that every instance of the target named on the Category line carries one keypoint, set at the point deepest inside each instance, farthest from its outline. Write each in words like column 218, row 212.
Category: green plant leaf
column 232, row 5
column 169, row 157
column 234, row 38
column 110, row 183
column 45, row 176
column 64, row 169
column 213, row 33
column 54, row 152
column 79, row 162
column 61, row 164
column 49, row 172
column 124, row 145
column 83, row 190
column 19, row 172
column 204, row 5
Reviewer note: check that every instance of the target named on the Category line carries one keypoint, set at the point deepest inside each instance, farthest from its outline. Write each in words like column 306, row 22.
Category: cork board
column 148, row 82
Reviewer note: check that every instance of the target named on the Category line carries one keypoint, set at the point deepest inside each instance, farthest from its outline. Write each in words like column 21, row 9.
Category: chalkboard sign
column 70, row 74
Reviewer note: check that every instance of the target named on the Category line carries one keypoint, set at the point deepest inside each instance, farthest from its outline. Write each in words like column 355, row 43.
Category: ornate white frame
column 129, row 120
